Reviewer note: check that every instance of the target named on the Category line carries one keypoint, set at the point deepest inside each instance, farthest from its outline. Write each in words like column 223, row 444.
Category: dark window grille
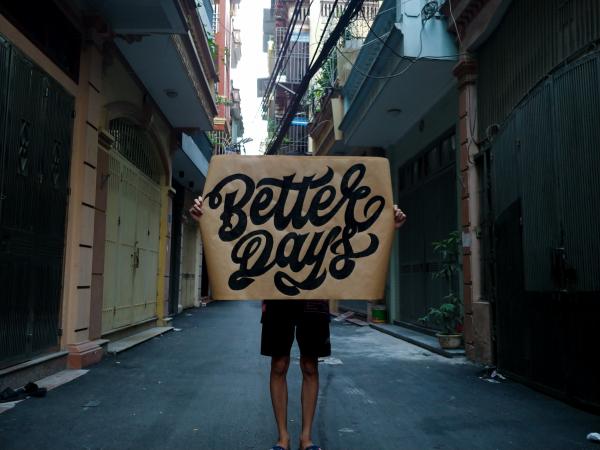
column 133, row 143
column 433, row 160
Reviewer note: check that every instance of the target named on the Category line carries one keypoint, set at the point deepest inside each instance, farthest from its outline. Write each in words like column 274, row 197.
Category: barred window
column 133, row 143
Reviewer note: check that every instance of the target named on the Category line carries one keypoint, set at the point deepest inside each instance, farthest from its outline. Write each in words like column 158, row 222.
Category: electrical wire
column 402, row 72
column 331, row 13
column 350, row 12
column 380, row 39
column 323, row 33
column 297, row 37
column 281, row 54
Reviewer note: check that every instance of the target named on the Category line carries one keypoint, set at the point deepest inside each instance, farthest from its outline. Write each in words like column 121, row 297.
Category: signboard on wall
column 293, row 227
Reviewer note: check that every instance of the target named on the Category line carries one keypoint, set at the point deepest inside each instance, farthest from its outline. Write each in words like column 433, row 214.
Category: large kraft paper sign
column 293, row 227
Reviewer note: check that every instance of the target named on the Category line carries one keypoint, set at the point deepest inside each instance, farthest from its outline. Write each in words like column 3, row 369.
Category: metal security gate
column 36, row 121
column 176, row 237
column 190, row 266
column 546, row 197
column 427, row 193
column 132, row 229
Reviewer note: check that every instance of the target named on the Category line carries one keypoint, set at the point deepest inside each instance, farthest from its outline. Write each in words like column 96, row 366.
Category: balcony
column 236, row 53
column 392, row 85
column 168, row 51
column 324, row 128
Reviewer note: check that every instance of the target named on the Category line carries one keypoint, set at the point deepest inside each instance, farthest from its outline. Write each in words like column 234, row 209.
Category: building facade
column 395, row 97
column 228, row 51
column 489, row 124
column 529, row 102
column 286, row 28
column 102, row 118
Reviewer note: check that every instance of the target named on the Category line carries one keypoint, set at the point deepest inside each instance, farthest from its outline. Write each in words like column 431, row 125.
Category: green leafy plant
column 324, row 82
column 271, row 128
column 448, row 317
column 212, row 47
column 223, row 101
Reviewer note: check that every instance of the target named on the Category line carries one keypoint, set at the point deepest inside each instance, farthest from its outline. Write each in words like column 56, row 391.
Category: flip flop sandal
column 311, row 447
column 34, row 390
column 278, row 447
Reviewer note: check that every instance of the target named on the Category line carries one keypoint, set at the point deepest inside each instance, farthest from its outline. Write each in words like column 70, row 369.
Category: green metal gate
column 36, row 119
column 546, row 185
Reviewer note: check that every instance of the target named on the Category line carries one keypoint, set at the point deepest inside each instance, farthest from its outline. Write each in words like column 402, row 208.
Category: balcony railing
column 369, row 9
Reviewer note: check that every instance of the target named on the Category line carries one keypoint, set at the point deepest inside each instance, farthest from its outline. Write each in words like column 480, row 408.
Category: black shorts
column 282, row 319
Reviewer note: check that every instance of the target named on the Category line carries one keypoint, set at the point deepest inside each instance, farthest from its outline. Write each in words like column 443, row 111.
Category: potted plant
column 448, row 317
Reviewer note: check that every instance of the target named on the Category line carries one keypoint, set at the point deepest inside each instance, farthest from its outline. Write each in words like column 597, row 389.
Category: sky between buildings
column 251, row 66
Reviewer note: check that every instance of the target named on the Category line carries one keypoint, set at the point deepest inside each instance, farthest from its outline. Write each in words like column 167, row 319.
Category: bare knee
column 280, row 365
column 309, row 366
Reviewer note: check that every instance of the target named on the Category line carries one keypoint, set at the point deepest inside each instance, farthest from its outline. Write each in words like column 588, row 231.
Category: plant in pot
column 448, row 317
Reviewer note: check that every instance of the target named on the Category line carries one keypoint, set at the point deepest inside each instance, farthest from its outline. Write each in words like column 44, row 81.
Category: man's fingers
column 196, row 211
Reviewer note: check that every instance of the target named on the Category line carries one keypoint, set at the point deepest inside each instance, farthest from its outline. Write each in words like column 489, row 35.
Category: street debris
column 594, row 437
column 188, row 315
column 491, row 375
column 29, row 390
column 343, row 316
column 176, row 329
column 91, row 404
column 331, row 361
column 345, row 430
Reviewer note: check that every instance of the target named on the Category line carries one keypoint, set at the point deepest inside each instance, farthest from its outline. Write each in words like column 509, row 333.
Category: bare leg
column 310, row 392
column 279, row 397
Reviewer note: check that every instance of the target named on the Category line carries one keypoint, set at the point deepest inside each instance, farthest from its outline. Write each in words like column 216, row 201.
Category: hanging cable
column 324, row 31
column 281, row 54
column 350, row 11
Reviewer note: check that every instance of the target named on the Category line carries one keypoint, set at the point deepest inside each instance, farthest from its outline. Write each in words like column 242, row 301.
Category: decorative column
column 83, row 350
column 477, row 326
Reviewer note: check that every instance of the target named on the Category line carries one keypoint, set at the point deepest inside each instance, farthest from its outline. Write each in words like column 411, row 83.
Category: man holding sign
column 285, row 234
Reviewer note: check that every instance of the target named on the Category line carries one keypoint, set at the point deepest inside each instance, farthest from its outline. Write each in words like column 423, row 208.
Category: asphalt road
column 206, row 387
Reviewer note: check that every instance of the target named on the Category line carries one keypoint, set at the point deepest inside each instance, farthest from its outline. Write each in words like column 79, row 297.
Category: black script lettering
column 254, row 252
column 290, row 286
column 228, row 232
column 348, row 255
column 285, row 185
column 259, row 243
column 243, row 250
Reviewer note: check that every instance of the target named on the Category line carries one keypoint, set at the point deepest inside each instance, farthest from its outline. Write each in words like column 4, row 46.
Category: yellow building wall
column 124, row 96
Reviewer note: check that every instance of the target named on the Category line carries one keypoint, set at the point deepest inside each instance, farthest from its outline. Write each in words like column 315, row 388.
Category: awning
column 152, row 35
column 392, row 85
column 190, row 164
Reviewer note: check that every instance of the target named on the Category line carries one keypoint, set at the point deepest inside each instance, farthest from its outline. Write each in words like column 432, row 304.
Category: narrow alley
column 206, row 387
